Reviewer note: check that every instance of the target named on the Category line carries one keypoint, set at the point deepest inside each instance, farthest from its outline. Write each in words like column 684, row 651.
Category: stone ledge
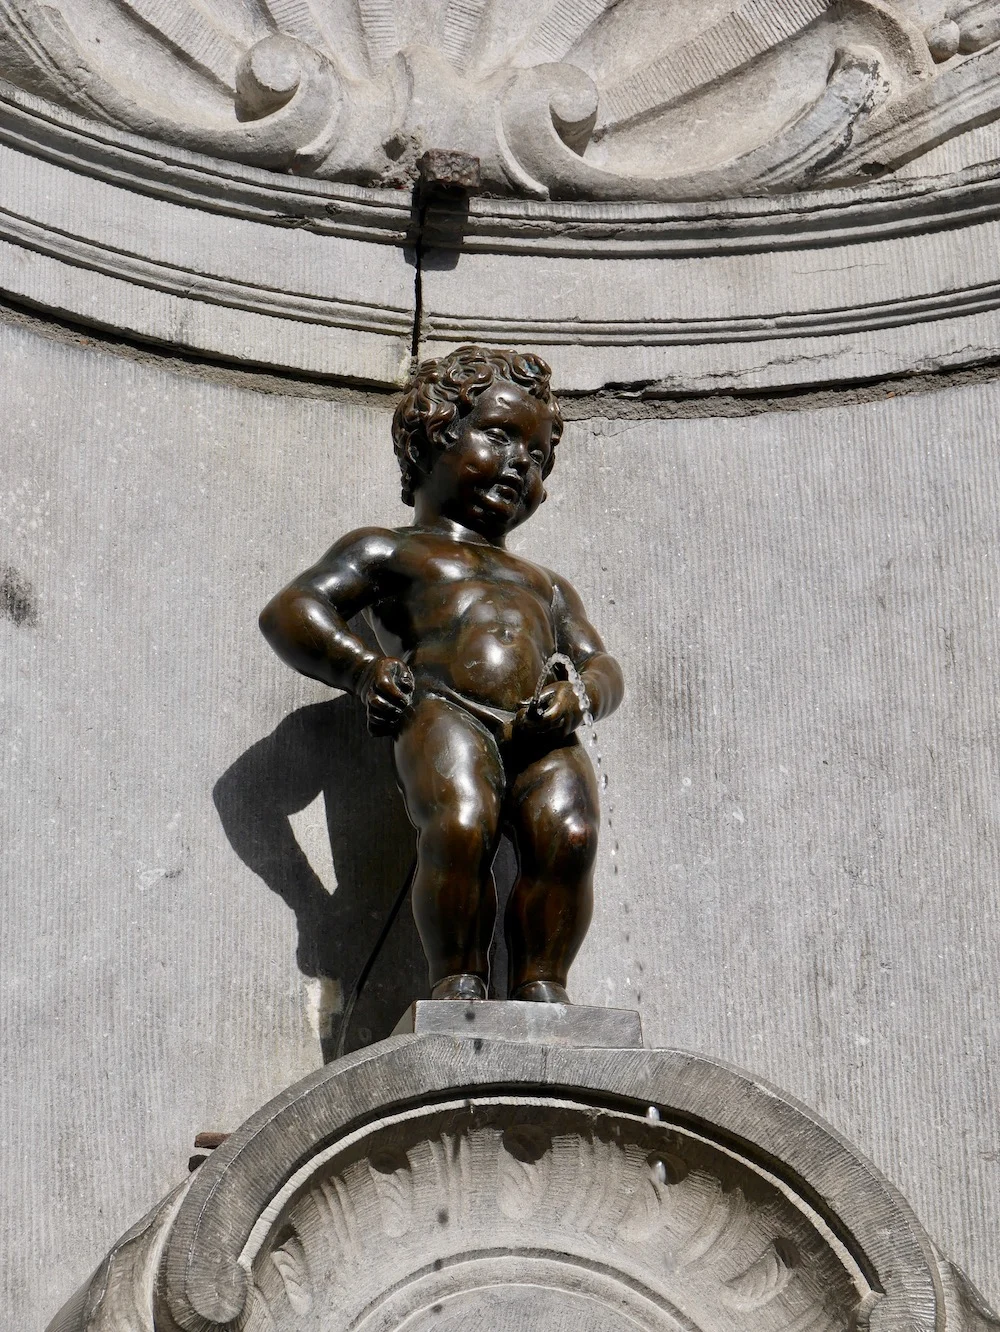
column 509, row 1020
column 429, row 1175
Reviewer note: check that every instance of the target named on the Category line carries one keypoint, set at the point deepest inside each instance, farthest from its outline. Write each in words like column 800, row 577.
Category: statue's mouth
column 508, row 489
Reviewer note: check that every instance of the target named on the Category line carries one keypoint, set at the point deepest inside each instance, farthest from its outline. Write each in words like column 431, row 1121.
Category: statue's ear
column 418, row 452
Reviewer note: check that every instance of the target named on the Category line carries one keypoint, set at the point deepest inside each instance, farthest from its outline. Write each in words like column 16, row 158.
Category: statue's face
column 489, row 478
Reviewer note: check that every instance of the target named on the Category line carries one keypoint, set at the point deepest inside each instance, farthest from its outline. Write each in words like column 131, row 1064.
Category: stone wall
column 801, row 783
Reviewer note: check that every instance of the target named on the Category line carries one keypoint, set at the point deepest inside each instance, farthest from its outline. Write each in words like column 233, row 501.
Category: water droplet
column 563, row 663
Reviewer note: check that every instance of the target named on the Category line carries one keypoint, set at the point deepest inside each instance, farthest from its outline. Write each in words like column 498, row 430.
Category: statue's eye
column 538, row 456
column 496, row 435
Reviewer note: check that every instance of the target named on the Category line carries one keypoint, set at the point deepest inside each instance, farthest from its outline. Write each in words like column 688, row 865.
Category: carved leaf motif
column 290, row 1260
column 297, row 18
column 600, row 1168
column 326, row 86
column 766, row 1277
column 523, row 1169
column 724, row 1217
column 450, row 1155
column 195, row 35
column 461, row 25
column 650, row 1209
column 561, row 28
column 392, row 1180
column 748, row 32
column 698, row 1223
column 338, row 1209
column 378, row 20
column 644, row 1215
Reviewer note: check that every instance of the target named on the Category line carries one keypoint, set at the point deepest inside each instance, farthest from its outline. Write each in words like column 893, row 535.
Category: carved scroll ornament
column 594, row 99
column 611, row 1190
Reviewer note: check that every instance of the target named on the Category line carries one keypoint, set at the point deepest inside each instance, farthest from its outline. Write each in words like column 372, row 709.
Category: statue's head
column 495, row 408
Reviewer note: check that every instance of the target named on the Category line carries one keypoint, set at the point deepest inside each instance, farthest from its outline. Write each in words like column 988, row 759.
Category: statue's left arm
column 580, row 641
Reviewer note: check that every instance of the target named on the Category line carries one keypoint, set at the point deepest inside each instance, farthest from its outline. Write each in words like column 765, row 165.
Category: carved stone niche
column 679, row 196
column 597, row 99
column 440, row 1181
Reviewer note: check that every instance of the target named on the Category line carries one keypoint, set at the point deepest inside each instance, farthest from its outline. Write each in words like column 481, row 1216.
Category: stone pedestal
column 529, row 1177
column 509, row 1020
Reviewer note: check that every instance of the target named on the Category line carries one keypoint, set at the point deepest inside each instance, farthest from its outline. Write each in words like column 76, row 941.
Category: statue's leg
column 452, row 780
column 554, row 816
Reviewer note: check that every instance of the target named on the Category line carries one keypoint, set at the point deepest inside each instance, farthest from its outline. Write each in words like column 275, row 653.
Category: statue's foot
column 465, row 985
column 541, row 992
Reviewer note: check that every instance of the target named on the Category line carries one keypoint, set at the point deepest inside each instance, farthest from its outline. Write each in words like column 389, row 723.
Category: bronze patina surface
column 473, row 641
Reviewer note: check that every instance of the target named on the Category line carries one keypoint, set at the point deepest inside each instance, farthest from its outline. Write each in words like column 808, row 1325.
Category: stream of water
column 560, row 662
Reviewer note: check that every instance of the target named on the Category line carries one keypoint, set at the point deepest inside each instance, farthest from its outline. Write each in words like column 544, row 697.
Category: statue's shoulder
column 552, row 580
column 366, row 545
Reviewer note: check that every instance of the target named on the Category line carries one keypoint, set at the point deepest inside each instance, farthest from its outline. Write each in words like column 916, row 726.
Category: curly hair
column 441, row 392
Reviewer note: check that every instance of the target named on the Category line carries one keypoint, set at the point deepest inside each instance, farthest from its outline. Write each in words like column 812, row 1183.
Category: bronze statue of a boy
column 484, row 736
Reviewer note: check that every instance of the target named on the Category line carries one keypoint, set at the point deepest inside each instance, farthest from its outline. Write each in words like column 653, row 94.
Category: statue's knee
column 577, row 845
column 462, row 838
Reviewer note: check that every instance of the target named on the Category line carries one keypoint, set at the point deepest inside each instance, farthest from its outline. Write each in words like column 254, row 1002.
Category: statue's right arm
column 306, row 623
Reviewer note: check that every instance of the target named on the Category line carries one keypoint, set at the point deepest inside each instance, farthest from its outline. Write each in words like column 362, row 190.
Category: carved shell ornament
column 562, row 99
column 435, row 1184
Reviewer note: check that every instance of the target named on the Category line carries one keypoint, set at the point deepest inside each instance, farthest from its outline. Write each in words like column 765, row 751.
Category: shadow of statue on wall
column 319, row 775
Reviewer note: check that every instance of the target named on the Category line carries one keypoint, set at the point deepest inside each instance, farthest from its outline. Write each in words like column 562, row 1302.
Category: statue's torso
column 472, row 617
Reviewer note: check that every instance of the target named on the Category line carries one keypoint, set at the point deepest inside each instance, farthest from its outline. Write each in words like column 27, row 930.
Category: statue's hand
column 557, row 710
column 386, row 690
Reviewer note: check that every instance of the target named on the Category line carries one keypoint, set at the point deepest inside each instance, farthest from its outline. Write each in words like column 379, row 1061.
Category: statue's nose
column 520, row 458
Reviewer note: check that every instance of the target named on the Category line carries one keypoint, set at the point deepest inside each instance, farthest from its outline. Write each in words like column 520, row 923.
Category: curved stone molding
column 429, row 1181
column 291, row 273
column 746, row 296
column 226, row 260
column 148, row 236
column 551, row 1208
column 543, row 106
column 963, row 95
column 118, row 1295
column 600, row 99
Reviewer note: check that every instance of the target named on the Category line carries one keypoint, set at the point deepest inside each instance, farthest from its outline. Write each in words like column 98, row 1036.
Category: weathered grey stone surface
column 621, row 1188
column 744, row 287
column 750, row 296
column 509, row 1020
column 801, row 844
column 800, row 862
column 609, row 99
column 169, row 247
